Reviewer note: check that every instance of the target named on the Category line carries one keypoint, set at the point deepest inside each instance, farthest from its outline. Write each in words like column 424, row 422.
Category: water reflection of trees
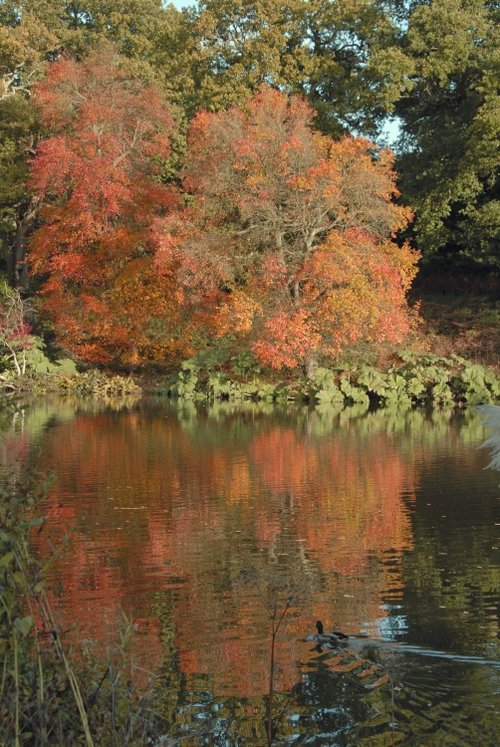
column 213, row 511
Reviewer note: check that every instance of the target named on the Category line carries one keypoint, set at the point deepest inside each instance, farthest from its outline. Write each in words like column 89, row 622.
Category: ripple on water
column 196, row 525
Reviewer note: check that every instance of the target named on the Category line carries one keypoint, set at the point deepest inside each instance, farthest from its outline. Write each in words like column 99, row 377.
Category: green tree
column 343, row 56
column 25, row 42
column 451, row 126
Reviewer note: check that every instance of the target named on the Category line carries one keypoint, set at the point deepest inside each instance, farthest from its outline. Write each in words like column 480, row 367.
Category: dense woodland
column 219, row 173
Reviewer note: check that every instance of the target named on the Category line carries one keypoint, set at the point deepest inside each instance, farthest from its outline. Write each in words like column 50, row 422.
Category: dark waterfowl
column 330, row 634
column 335, row 639
column 329, row 639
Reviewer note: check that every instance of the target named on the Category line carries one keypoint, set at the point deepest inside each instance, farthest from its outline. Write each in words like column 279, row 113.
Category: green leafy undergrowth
column 194, row 382
column 37, row 362
column 415, row 380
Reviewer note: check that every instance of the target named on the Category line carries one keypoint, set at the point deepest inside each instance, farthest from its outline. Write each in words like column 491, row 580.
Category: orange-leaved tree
column 290, row 233
column 98, row 177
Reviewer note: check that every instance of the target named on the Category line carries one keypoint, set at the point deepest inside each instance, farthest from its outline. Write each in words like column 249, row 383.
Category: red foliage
column 286, row 241
column 354, row 288
column 294, row 229
column 98, row 177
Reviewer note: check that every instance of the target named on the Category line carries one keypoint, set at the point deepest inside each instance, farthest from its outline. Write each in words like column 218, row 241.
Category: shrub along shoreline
column 414, row 380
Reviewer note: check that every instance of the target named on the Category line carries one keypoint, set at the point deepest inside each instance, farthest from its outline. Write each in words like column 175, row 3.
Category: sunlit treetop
column 295, row 230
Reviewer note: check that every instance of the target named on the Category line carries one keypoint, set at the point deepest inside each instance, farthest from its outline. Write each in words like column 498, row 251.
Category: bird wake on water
column 491, row 419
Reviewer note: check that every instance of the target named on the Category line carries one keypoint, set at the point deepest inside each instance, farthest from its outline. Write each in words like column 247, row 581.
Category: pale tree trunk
column 311, row 366
column 279, row 247
column 14, row 332
column 15, row 360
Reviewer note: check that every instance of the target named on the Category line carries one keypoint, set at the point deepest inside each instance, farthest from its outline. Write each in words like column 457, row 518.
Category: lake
column 198, row 523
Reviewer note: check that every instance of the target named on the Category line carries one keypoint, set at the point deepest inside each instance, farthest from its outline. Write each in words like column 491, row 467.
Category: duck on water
column 328, row 639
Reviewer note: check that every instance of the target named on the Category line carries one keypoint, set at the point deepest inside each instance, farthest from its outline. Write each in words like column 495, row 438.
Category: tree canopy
column 289, row 233
column 432, row 65
column 97, row 177
column 451, row 124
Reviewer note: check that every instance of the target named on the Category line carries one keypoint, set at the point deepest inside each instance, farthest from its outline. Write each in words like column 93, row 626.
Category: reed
column 276, row 620
column 52, row 693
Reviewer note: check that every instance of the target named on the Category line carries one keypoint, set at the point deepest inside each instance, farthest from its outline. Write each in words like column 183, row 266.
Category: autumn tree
column 98, row 177
column 432, row 63
column 290, row 237
column 33, row 33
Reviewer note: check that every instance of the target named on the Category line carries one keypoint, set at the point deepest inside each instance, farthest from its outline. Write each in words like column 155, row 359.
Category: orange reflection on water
column 205, row 519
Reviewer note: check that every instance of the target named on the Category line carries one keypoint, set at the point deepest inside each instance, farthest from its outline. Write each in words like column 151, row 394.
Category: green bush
column 416, row 380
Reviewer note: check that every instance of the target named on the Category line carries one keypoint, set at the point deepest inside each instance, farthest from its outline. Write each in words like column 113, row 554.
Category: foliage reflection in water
column 195, row 522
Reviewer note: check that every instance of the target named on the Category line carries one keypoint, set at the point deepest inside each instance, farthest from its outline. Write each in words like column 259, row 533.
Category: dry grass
column 467, row 325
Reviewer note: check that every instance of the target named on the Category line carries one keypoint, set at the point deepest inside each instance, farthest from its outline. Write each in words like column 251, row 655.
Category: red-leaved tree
column 98, row 177
column 290, row 235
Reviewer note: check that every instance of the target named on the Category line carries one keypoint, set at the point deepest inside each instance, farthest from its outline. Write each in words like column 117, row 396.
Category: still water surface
column 197, row 522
